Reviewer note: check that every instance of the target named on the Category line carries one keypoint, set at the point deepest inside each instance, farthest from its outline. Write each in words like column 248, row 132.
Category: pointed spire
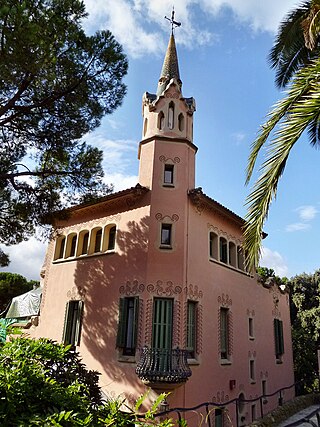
column 170, row 68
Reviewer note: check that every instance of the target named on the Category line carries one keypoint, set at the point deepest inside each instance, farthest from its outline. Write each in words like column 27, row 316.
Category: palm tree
column 298, row 111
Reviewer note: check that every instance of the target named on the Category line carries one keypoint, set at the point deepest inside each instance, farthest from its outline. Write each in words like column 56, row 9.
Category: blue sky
column 222, row 48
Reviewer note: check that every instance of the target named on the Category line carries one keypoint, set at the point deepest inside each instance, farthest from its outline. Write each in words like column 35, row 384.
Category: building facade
column 150, row 284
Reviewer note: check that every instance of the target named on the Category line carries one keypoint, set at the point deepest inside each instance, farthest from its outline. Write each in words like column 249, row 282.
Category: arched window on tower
column 181, row 122
column 161, row 120
column 171, row 115
column 145, row 126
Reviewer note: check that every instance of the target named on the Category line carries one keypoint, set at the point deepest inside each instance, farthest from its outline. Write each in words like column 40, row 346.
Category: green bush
column 43, row 383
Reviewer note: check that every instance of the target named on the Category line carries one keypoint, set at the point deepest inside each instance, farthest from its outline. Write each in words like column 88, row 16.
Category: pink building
column 149, row 283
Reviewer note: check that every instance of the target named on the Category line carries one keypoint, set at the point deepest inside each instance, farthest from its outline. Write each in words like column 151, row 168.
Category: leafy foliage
column 305, row 319
column 12, row 285
column 39, row 379
column 56, row 84
column 43, row 383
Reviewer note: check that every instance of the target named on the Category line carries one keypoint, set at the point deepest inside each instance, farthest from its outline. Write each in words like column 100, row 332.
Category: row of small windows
column 227, row 252
column 171, row 119
column 162, row 329
column 87, row 242
column 170, row 122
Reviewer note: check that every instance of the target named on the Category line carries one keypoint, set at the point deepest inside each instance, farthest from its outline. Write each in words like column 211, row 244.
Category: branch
column 44, row 173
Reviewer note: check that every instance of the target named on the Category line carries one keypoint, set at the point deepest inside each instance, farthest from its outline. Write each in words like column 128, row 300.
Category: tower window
column 166, row 234
column 181, row 122
column 171, row 116
column 168, row 174
column 161, row 120
column 145, row 126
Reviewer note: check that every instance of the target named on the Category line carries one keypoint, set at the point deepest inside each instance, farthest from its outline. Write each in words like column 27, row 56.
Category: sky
column 222, row 49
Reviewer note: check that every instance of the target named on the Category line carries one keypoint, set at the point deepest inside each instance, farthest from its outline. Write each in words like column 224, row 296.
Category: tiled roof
column 201, row 200
column 136, row 191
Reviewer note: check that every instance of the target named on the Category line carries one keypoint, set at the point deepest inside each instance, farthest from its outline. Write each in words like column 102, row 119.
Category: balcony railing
column 163, row 366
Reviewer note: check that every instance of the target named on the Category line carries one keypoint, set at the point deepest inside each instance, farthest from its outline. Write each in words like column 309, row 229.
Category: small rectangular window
column 278, row 338
column 250, row 326
column 253, row 413
column 218, row 417
column 72, row 323
column 191, row 329
column 166, row 231
column 168, row 174
column 264, row 387
column 252, row 370
column 224, row 333
column 128, row 325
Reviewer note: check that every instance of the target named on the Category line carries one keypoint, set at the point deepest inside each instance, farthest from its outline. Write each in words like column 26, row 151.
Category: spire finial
column 174, row 23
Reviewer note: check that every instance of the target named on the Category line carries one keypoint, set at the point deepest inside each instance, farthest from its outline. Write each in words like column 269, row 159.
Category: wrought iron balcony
column 161, row 366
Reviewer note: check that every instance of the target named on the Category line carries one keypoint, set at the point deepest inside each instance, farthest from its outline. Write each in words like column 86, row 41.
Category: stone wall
column 290, row 408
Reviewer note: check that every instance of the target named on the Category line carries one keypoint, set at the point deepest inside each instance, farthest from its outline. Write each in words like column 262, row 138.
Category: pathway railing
column 209, row 406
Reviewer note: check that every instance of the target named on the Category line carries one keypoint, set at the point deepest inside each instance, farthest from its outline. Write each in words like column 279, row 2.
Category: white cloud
column 307, row 213
column 260, row 16
column 272, row 259
column 139, row 25
column 239, row 137
column 297, row 226
column 121, row 181
column 26, row 258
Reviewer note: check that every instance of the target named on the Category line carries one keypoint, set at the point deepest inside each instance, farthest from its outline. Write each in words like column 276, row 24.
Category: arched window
column 71, row 245
column 171, row 115
column 232, row 254
column 112, row 238
column 161, row 120
column 60, row 245
column 223, row 250
column 95, row 243
column 98, row 241
column 83, row 242
column 213, row 245
column 145, row 126
column 240, row 258
column 181, row 122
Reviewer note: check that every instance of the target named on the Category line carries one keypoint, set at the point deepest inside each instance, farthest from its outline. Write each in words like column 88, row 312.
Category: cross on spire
column 174, row 23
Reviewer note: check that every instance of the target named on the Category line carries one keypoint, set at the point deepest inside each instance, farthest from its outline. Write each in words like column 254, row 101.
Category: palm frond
column 294, row 114
column 310, row 26
column 289, row 52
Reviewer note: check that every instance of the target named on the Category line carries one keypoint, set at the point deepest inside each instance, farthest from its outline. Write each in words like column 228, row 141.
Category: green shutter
column 72, row 322
column 67, row 324
column 121, row 335
column 191, row 327
column 162, row 323
column 136, row 322
column 78, row 322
